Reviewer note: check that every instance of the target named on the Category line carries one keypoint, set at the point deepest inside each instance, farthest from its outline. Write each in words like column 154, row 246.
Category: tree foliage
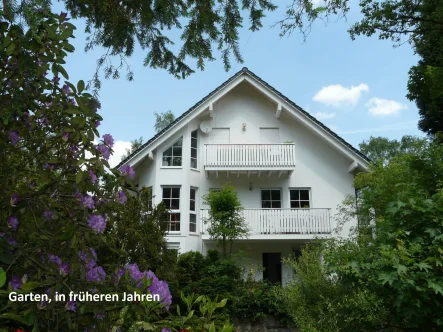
column 135, row 144
column 395, row 261
column 163, row 120
column 382, row 149
column 226, row 222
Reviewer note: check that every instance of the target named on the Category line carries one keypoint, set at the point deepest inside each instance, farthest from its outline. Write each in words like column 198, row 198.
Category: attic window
column 172, row 156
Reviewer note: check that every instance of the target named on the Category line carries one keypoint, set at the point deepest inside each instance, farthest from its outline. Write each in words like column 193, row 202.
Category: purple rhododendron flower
column 54, row 259
column 97, row 223
column 14, row 137
column 15, row 283
column 109, row 140
column 64, row 16
column 166, row 329
column 88, row 201
column 13, row 222
column 56, row 79
column 97, row 123
column 64, row 269
column 100, row 315
column 14, row 199
column 161, row 288
column 93, row 252
column 70, row 306
column 119, row 274
column 93, row 176
column 104, row 150
column 96, row 274
column 128, row 171
column 65, row 136
column 66, row 89
column 122, row 197
column 134, row 272
column 8, row 239
column 49, row 215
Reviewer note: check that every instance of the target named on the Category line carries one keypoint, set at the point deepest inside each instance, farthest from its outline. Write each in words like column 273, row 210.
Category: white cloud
column 382, row 107
column 340, row 96
column 119, row 149
column 324, row 115
column 318, row 3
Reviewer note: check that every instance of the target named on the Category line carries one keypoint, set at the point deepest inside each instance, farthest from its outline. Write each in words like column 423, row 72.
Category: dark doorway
column 272, row 267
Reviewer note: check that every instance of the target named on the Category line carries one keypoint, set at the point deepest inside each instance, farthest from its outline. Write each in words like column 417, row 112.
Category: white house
column 289, row 169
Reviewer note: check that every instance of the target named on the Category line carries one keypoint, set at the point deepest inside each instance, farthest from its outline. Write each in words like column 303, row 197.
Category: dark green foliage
column 137, row 235
column 223, row 278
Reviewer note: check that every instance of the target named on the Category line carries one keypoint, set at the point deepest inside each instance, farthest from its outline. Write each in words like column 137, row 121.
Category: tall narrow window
column 192, row 210
column 172, row 156
column 270, row 199
column 150, row 197
column 299, row 198
column 194, row 142
column 171, row 198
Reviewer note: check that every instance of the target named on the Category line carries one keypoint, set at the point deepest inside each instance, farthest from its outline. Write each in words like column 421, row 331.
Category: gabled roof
column 243, row 71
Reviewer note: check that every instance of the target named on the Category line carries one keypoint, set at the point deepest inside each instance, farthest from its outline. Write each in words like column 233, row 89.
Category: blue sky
column 357, row 88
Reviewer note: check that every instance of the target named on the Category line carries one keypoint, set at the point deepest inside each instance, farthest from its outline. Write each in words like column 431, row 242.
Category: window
column 194, row 149
column 192, row 211
column 270, row 199
column 171, row 198
column 299, row 198
column 172, row 156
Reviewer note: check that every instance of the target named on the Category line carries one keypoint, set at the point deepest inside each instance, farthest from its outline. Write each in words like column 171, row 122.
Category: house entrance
column 272, row 267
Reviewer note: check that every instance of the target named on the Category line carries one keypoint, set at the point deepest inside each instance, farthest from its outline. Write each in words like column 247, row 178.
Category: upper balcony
column 245, row 158
column 280, row 224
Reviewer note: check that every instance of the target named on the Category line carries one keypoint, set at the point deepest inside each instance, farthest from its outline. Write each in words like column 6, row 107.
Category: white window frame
column 271, row 200
column 172, row 212
column 194, row 148
column 172, row 154
column 299, row 200
column 193, row 212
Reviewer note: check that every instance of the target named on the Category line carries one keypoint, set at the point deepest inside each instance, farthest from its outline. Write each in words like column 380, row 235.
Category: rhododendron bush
column 55, row 206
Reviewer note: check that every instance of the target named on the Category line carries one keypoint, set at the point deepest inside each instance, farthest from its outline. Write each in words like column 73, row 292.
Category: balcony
column 281, row 223
column 250, row 157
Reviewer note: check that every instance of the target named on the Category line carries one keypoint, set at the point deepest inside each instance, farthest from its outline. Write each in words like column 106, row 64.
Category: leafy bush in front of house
column 58, row 198
column 220, row 278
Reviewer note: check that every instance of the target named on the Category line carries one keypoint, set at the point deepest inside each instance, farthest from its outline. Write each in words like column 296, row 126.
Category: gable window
column 270, row 199
column 171, row 198
column 172, row 156
column 299, row 198
column 192, row 210
column 194, row 149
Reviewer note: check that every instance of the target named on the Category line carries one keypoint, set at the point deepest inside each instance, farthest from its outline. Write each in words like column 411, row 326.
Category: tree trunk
column 224, row 246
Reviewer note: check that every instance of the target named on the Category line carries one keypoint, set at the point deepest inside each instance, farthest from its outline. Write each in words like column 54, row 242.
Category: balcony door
column 272, row 267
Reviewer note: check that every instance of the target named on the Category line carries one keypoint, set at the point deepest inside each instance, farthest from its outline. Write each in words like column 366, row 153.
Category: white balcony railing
column 281, row 221
column 250, row 156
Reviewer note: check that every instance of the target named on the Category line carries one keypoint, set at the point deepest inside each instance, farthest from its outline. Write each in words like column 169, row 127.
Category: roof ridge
column 240, row 72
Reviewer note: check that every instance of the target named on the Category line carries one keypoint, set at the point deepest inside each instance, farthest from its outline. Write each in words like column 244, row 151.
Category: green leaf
column 30, row 285
column 15, row 317
column 78, row 177
column 2, row 277
column 80, row 86
column 62, row 71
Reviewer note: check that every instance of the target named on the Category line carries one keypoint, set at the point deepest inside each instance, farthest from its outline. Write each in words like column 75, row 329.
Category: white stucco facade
column 246, row 116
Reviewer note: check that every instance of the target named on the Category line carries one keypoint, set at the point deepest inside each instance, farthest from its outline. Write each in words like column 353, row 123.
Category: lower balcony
column 280, row 223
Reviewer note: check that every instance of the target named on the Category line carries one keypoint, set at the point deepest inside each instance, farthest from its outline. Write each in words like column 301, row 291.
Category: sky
column 357, row 88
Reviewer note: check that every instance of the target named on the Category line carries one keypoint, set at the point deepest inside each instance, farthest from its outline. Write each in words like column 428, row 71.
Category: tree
column 120, row 27
column 138, row 235
column 396, row 260
column 163, row 120
column 382, row 150
column 135, row 144
column 225, row 217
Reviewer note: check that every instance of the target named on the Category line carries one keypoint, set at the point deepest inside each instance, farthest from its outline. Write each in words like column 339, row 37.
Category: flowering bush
column 58, row 194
